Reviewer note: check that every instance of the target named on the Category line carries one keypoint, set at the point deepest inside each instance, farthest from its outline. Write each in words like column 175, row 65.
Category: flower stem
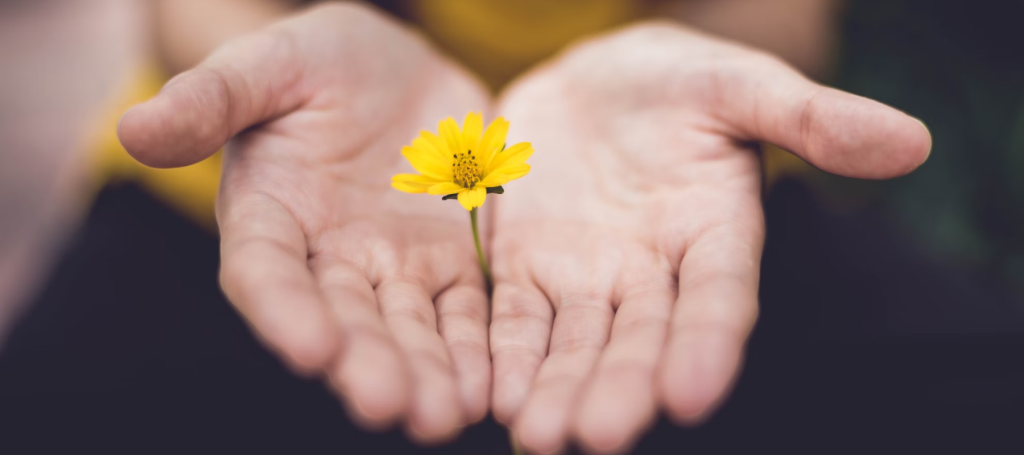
column 516, row 449
column 484, row 267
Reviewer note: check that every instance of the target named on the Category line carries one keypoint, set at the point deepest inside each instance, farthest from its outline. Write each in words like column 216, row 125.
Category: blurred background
column 892, row 312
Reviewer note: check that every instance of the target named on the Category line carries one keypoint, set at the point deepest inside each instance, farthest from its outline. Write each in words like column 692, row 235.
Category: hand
column 627, row 263
column 340, row 274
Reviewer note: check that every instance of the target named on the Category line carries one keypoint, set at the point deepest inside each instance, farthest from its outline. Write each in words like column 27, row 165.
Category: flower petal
column 473, row 198
column 472, row 129
column 514, row 155
column 436, row 142
column 444, row 189
column 493, row 179
column 428, row 164
column 481, row 195
column 451, row 135
column 429, row 148
column 493, row 140
column 412, row 183
column 416, row 179
column 513, row 172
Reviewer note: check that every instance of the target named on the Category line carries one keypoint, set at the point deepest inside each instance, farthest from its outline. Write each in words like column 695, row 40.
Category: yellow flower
column 464, row 162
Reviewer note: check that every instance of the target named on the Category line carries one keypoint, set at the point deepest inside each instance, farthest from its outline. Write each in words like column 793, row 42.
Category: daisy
column 466, row 163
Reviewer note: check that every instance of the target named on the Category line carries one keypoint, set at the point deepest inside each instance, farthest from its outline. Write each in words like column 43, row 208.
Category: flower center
column 465, row 170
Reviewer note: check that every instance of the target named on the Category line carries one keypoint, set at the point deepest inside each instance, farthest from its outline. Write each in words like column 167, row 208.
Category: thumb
column 245, row 82
column 835, row 131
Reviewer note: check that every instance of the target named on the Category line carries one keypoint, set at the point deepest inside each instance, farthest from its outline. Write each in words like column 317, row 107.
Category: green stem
column 484, row 267
column 516, row 449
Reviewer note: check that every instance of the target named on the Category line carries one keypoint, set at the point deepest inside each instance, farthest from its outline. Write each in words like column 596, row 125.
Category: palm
column 376, row 290
column 379, row 258
column 627, row 267
column 602, row 269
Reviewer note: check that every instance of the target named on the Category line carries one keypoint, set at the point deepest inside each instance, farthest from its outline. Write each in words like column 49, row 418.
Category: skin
column 377, row 291
column 627, row 263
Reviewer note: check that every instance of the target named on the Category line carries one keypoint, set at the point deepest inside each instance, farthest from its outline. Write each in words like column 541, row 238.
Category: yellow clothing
column 496, row 39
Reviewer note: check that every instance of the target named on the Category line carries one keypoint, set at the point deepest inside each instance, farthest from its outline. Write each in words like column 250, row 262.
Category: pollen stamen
column 465, row 170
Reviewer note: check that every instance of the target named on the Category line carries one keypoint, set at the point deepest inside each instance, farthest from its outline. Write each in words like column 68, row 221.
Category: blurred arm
column 802, row 32
column 188, row 30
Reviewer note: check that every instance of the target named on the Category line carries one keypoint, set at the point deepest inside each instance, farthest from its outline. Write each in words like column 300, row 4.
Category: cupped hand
column 340, row 274
column 627, row 264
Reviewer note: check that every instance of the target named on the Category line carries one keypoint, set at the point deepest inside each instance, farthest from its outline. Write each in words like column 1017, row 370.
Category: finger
column 264, row 275
column 370, row 372
column 836, row 131
column 520, row 329
column 245, row 82
column 435, row 414
column 619, row 401
column 712, row 318
column 462, row 317
column 578, row 334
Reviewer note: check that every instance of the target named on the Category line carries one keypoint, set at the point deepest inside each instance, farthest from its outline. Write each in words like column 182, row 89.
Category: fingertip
column 301, row 334
column 184, row 124
column 688, row 411
column 474, row 393
column 614, row 411
column 373, row 411
column 858, row 137
column 436, row 418
column 375, row 388
column 697, row 375
column 604, row 432
column 308, row 352
column 684, row 408
column 512, row 379
column 508, row 397
column 475, row 413
column 904, row 148
column 543, row 423
column 432, row 434
column 119, row 120
column 538, row 436
column 600, row 434
column 921, row 143
column 503, row 413
column 132, row 131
